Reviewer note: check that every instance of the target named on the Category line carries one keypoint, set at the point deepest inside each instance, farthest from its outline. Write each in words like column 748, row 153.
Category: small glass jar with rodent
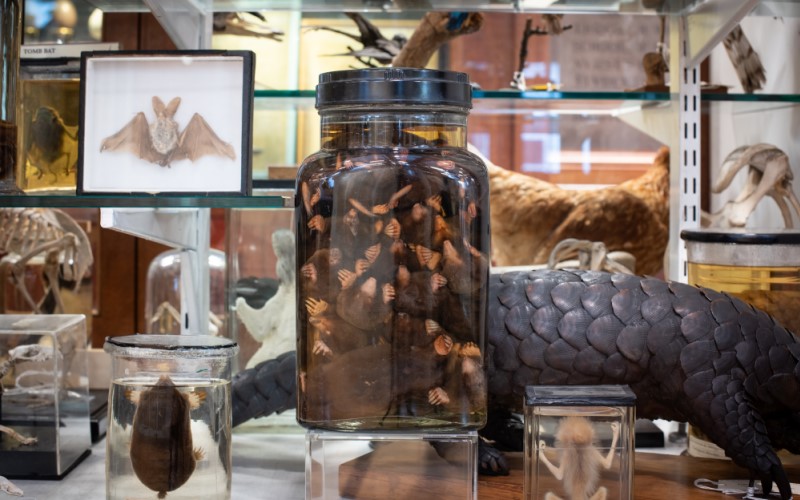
column 169, row 425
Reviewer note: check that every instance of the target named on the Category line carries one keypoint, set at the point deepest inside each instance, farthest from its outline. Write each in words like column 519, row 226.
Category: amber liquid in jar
column 774, row 289
column 393, row 262
column 49, row 144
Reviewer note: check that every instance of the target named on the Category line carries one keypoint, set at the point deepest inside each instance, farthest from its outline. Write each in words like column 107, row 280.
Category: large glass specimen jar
column 392, row 228
column 10, row 39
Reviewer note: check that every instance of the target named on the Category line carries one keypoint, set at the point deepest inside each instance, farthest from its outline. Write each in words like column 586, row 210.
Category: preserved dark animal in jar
column 393, row 256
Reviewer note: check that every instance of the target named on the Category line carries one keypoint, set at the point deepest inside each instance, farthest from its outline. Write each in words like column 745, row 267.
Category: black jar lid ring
column 172, row 342
column 743, row 236
column 394, row 86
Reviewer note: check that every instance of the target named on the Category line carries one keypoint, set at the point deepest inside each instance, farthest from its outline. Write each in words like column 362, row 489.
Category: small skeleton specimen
column 769, row 174
column 163, row 142
column 580, row 459
column 162, row 454
column 26, row 233
column 51, row 144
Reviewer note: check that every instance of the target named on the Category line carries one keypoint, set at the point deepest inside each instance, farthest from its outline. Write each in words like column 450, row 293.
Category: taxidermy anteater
column 689, row 354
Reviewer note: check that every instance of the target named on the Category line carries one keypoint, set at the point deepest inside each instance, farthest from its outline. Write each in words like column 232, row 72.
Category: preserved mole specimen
column 161, row 441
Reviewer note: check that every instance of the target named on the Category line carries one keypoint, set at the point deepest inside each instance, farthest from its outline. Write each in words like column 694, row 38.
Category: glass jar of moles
column 392, row 222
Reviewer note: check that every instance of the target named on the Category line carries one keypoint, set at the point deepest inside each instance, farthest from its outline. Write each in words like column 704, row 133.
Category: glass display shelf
column 679, row 7
column 498, row 102
column 563, row 102
column 277, row 199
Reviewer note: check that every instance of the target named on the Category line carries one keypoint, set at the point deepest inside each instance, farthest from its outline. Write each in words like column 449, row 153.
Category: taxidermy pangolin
column 690, row 354
column 163, row 142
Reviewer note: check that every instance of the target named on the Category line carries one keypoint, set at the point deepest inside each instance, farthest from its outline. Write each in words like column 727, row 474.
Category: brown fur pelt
column 530, row 216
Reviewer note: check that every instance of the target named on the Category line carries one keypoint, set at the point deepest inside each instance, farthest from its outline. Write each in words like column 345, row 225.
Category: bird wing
column 370, row 33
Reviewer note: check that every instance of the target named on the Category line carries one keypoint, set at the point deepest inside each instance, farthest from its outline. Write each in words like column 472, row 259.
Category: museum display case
column 45, row 397
column 532, row 117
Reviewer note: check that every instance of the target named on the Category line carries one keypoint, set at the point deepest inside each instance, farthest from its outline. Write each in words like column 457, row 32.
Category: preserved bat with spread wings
column 163, row 142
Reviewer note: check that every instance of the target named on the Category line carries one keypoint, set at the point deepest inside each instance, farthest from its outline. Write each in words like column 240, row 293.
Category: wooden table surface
column 657, row 477
column 415, row 471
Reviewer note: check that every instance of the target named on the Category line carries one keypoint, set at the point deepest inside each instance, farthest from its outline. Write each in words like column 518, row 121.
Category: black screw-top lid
column 394, row 86
column 743, row 236
column 579, row 395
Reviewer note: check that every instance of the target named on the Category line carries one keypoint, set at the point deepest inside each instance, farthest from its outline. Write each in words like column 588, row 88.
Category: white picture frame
column 139, row 126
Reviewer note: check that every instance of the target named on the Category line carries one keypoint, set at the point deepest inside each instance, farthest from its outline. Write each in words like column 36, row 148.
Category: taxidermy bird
column 745, row 60
column 375, row 46
column 245, row 24
column 529, row 216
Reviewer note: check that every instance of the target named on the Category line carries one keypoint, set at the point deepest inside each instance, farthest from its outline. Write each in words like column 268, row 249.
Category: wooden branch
column 431, row 33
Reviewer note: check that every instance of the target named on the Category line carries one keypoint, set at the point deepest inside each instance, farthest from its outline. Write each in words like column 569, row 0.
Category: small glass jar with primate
column 169, row 423
column 392, row 227
column 579, row 442
column 10, row 41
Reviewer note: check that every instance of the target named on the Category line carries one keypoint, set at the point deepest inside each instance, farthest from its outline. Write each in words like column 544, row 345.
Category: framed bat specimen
column 166, row 123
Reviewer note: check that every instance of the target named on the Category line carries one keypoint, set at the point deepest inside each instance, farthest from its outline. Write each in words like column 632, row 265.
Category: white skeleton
column 27, row 233
column 769, row 174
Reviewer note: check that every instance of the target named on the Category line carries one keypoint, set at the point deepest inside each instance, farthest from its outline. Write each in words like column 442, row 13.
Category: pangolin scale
column 690, row 354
